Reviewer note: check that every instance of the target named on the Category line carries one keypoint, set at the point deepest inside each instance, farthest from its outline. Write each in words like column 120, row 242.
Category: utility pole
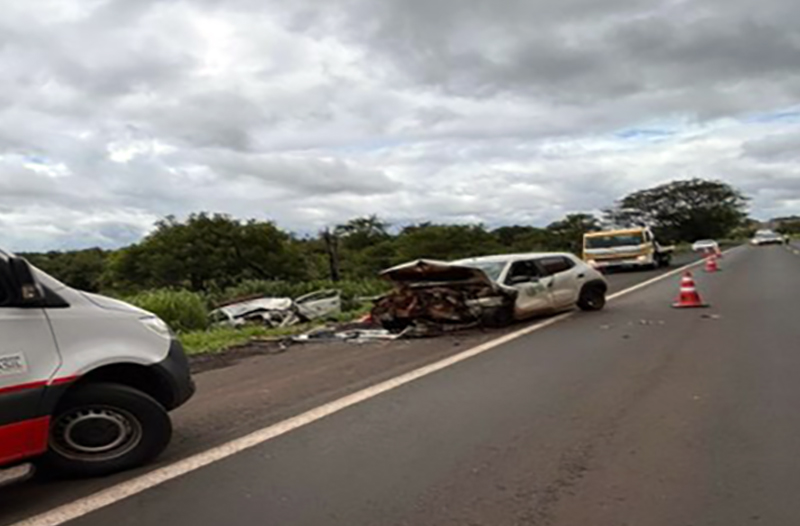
column 332, row 248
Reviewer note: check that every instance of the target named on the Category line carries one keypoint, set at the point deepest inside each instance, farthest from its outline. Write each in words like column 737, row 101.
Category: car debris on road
column 352, row 335
column 278, row 312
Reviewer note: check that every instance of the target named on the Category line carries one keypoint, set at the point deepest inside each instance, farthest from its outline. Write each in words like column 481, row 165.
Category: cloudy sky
column 114, row 113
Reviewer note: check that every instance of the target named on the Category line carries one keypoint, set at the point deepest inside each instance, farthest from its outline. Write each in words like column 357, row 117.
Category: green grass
column 187, row 312
column 181, row 309
column 223, row 338
column 220, row 339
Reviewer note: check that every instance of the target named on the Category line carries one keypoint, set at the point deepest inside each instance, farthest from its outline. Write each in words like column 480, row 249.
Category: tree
column 746, row 230
column 366, row 247
column 207, row 251
column 518, row 238
column 567, row 234
column 684, row 210
column 81, row 269
column 789, row 226
column 445, row 242
column 362, row 232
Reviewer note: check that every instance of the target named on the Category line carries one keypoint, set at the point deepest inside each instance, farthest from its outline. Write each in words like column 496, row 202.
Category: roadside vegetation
column 185, row 268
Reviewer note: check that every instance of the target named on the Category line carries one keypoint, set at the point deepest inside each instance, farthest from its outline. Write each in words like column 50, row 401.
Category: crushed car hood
column 430, row 271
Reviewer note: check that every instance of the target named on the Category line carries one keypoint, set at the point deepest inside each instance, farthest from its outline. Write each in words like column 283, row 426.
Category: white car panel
column 535, row 295
column 554, row 292
column 564, row 287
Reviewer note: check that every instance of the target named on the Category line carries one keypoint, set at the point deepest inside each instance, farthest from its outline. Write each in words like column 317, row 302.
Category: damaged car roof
column 510, row 257
column 431, row 270
column 461, row 271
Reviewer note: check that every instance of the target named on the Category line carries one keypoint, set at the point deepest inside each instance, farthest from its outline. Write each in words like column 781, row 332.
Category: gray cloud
column 774, row 148
column 114, row 113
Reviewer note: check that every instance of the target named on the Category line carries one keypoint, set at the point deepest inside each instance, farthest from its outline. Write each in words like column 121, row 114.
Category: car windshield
column 614, row 240
column 493, row 268
column 43, row 277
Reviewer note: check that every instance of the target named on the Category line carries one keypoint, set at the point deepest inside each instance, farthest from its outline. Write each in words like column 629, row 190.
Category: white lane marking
column 664, row 276
column 123, row 490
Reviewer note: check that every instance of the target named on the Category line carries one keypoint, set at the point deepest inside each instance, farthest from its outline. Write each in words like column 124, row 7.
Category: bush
column 181, row 309
column 352, row 290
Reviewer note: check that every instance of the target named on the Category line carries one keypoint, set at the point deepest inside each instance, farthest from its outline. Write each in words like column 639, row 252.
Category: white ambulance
column 86, row 381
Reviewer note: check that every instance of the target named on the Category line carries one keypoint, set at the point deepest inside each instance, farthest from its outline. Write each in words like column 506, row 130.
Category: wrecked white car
column 491, row 291
column 278, row 312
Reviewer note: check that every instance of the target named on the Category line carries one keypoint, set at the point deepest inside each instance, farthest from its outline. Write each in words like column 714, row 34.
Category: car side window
column 552, row 265
column 522, row 272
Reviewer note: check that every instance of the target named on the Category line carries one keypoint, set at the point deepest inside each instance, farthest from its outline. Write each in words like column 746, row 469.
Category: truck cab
column 630, row 247
column 86, row 381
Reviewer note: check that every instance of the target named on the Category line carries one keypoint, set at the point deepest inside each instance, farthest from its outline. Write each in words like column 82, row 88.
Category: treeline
column 212, row 253
column 215, row 252
column 789, row 226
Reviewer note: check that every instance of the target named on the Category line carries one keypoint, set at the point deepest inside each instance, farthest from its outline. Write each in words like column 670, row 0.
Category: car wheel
column 502, row 317
column 100, row 429
column 592, row 299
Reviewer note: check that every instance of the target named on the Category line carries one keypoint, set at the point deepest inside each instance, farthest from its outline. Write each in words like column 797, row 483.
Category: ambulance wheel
column 99, row 429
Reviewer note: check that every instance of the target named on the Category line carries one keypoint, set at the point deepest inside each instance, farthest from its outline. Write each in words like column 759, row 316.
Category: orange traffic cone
column 689, row 298
column 711, row 264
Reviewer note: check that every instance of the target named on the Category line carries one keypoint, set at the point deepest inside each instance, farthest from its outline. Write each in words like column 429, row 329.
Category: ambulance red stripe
column 23, row 439
column 37, row 385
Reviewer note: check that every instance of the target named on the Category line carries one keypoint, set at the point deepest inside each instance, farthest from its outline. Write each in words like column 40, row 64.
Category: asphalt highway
column 640, row 414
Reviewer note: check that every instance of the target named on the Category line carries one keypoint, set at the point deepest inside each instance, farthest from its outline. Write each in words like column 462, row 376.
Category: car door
column 566, row 279
column 28, row 360
column 319, row 304
column 533, row 295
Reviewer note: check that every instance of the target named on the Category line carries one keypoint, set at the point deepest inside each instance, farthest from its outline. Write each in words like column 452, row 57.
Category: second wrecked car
column 492, row 290
column 278, row 312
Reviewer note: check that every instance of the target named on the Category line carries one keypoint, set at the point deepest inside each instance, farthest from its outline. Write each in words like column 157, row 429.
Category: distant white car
column 706, row 245
column 494, row 290
column 767, row 237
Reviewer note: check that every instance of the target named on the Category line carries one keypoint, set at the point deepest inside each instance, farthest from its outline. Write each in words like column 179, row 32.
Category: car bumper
column 619, row 263
column 15, row 474
column 174, row 371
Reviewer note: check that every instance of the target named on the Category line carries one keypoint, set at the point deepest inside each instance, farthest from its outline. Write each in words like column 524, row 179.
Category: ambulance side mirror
column 29, row 291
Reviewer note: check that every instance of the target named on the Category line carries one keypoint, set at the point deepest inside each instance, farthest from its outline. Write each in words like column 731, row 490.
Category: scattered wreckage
column 437, row 293
column 487, row 291
column 278, row 312
column 433, row 297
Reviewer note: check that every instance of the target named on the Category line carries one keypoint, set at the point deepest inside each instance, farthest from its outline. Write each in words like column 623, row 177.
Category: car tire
column 592, row 298
column 104, row 428
column 502, row 317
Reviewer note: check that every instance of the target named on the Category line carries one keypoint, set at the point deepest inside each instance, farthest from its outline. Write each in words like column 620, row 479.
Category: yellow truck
column 630, row 247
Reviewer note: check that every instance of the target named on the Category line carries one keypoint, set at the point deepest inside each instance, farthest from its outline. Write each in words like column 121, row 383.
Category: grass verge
column 220, row 339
